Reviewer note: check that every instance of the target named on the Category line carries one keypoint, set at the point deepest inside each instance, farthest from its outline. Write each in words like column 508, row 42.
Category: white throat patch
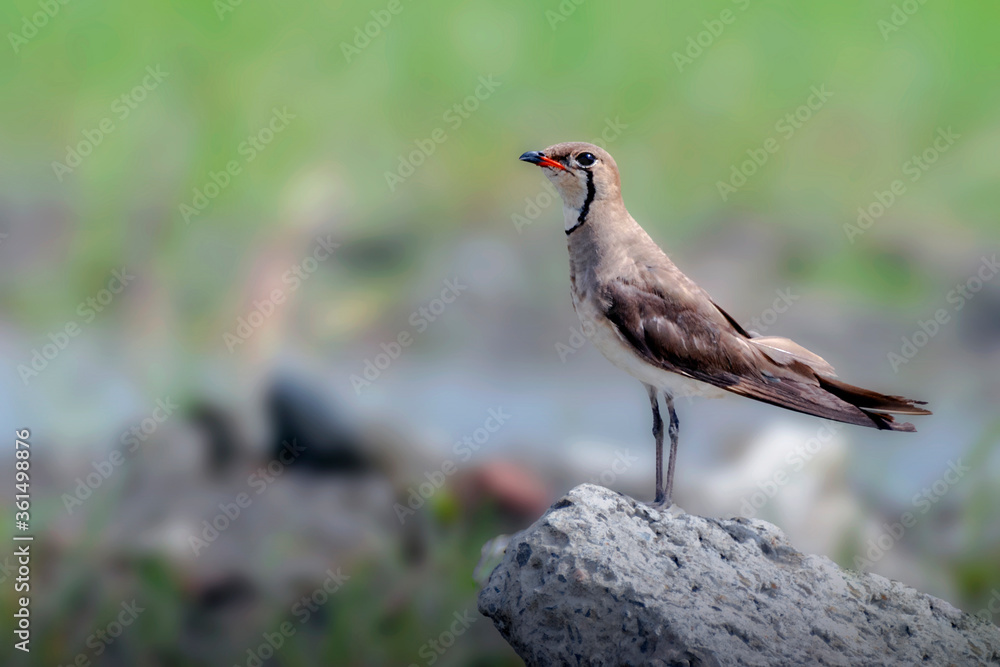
column 571, row 217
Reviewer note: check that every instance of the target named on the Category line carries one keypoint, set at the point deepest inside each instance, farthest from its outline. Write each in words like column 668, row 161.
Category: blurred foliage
column 559, row 80
column 385, row 614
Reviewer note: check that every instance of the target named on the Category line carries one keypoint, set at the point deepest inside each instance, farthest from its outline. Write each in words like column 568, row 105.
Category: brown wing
column 679, row 329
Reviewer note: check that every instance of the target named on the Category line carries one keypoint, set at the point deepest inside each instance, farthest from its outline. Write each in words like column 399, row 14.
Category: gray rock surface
column 601, row 579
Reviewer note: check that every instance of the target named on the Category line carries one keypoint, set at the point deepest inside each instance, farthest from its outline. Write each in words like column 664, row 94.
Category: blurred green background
column 210, row 149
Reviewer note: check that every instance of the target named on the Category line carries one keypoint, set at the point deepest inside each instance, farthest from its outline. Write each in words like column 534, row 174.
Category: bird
column 658, row 325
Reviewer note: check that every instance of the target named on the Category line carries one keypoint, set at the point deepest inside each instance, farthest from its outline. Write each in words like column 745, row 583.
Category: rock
column 601, row 579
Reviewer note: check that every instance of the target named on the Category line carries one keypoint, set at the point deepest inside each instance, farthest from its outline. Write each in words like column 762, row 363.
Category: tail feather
column 886, row 422
column 831, row 399
column 869, row 400
column 875, row 405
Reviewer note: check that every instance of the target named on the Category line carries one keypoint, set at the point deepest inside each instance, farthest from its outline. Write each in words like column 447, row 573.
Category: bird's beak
column 536, row 157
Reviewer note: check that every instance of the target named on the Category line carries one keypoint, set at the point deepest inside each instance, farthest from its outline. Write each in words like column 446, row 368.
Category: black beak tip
column 534, row 157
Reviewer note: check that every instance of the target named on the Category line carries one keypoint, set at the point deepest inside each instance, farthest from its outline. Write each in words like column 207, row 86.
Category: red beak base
column 549, row 162
column 536, row 157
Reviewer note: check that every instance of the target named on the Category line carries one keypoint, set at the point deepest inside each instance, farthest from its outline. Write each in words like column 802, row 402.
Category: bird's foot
column 661, row 502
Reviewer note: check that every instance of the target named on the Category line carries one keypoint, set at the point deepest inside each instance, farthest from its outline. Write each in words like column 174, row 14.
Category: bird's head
column 582, row 173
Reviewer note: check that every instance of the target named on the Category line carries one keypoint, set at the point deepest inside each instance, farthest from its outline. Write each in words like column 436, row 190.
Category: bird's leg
column 674, row 431
column 658, row 435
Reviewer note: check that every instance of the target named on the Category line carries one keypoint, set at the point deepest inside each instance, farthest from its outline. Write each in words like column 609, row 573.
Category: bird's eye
column 585, row 159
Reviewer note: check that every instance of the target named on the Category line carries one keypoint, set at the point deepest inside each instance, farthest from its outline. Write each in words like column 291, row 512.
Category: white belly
column 606, row 339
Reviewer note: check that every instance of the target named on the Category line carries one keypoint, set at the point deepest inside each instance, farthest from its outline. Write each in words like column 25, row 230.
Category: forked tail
column 876, row 406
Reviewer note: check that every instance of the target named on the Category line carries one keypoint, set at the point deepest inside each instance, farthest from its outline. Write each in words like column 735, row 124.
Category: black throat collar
column 585, row 209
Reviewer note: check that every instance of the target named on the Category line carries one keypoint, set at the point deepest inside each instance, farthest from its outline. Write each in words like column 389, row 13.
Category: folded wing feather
column 783, row 352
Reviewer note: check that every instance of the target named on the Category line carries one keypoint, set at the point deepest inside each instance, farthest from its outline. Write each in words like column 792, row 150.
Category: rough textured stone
column 602, row 579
